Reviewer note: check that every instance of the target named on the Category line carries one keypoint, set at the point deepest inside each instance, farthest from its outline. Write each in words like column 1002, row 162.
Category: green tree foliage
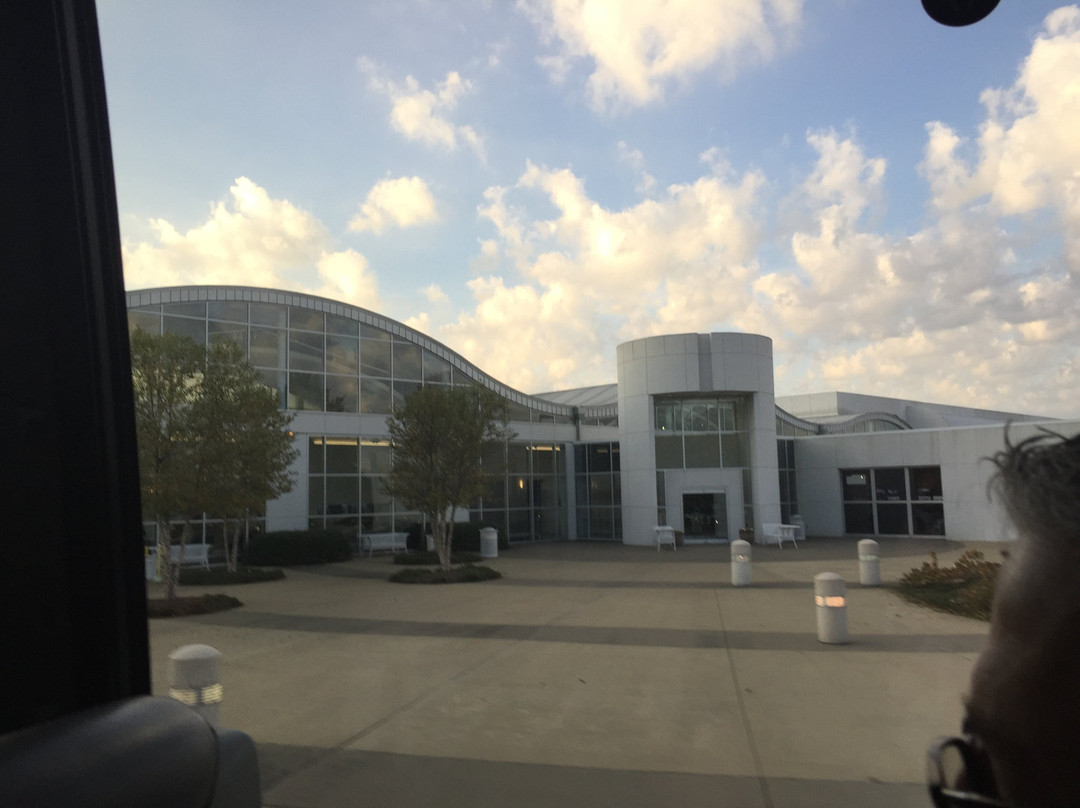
column 211, row 437
column 438, row 437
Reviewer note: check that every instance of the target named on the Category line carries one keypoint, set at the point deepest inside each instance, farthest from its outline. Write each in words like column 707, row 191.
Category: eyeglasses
column 959, row 776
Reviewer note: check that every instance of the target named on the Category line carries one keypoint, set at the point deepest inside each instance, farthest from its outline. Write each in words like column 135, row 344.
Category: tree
column 438, row 437
column 245, row 444
column 211, row 438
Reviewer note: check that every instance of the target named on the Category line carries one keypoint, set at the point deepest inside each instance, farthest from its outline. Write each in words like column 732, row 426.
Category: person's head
column 1023, row 709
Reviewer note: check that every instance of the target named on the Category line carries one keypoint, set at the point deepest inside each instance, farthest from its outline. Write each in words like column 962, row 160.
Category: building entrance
column 705, row 516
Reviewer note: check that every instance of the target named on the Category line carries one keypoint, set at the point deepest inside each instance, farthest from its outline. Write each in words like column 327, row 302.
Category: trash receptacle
column 489, row 542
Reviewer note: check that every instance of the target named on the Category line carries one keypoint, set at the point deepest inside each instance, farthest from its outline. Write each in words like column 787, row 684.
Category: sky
column 895, row 203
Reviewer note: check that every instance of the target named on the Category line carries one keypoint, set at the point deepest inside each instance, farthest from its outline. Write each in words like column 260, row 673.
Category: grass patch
column 965, row 588
column 431, row 559
column 220, row 576
column 190, row 605
column 468, row 573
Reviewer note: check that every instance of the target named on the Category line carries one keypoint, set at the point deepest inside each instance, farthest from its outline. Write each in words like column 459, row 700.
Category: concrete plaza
column 591, row 674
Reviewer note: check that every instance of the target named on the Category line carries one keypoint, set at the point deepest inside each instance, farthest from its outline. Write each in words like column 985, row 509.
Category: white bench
column 664, row 535
column 781, row 533
column 193, row 554
column 395, row 542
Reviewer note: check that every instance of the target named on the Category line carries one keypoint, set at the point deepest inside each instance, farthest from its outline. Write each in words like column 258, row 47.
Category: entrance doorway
column 705, row 516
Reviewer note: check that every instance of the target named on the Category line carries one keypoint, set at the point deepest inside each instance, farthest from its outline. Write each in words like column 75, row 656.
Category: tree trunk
column 232, row 545
column 443, row 539
column 170, row 570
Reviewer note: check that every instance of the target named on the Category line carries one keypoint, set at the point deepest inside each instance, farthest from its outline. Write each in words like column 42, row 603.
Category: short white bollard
column 831, row 605
column 740, row 563
column 489, row 542
column 430, row 543
column 195, row 679
column 869, row 563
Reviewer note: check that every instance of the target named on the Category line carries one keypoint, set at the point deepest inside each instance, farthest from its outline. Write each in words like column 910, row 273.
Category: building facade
column 692, row 434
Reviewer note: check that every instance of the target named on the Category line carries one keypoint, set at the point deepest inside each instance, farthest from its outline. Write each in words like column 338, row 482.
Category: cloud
column 646, row 183
column 402, row 202
column 638, row 49
column 421, row 114
column 250, row 239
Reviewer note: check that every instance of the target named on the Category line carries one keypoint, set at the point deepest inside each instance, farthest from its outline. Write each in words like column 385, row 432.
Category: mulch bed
column 190, row 605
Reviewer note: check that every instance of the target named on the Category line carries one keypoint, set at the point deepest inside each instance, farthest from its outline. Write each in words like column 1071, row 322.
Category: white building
column 692, row 435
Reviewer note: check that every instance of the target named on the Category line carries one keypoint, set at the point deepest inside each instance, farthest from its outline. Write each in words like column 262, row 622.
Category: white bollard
column 869, row 563
column 430, row 543
column 830, row 599
column 195, row 679
column 489, row 542
column 740, row 563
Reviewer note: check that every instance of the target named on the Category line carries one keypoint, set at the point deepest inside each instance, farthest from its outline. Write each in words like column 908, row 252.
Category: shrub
column 288, row 548
column 966, row 588
column 184, row 606
column 456, row 575
column 431, row 559
column 467, row 537
column 217, row 576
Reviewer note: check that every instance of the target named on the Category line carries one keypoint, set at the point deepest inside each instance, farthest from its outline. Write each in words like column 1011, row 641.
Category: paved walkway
column 591, row 674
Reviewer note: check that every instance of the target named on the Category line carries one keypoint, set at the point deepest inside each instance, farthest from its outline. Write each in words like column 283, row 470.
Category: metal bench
column 395, row 542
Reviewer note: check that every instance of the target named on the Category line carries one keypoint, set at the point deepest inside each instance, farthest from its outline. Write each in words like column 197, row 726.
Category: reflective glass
column 147, row 321
column 185, row 327
column 436, row 369
column 859, row 518
column 375, row 456
column 306, row 351
column 342, row 495
column 517, row 459
column 305, row 319
column 543, row 459
column 315, row 496
column 599, row 457
column 495, row 493
column 517, row 495
column 316, row 452
column 341, row 455
column 666, row 417
column 927, row 519
column 892, row 519
column 234, row 311
column 342, row 354
column 375, row 358
column 373, row 496
column 267, row 314
column 408, row 363
column 890, row 484
column 373, row 333
column 342, row 394
column 341, row 325
column 703, row 451
column 926, row 483
column 275, row 380
column 375, row 396
column 191, row 309
column 599, row 489
column 230, row 331
column 402, row 390
column 856, row 483
column 267, row 348
column 735, row 449
column 305, row 391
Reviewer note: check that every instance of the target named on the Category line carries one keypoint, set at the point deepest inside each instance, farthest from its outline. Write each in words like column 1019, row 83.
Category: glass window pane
column 735, row 448
column 315, row 456
column 926, row 483
column 727, row 416
column 699, row 417
column 305, row 391
column 342, row 495
column 436, row 369
column 856, row 483
column 495, row 494
column 341, row 325
column 517, row 459
column 341, row 455
column 601, row 523
column 234, row 311
column 599, row 457
column 859, row 519
column 928, row 519
column 543, row 459
column 890, row 485
column 615, row 462
column 518, row 492
column 275, row 380
column 373, row 333
column 669, row 452
column 267, row 348
column 267, row 314
column 185, row 327
column 375, row 456
column 599, row 489
column 375, row 358
column 342, row 394
column 342, row 354
column 373, row 496
column 315, row 496
column 741, row 408
column 892, row 519
column 402, row 390
column 185, row 309
column 665, row 417
column 147, row 321
column 375, row 396
column 230, row 331
column 305, row 351
column 493, row 457
column 703, row 451
column 407, row 361
column 305, row 319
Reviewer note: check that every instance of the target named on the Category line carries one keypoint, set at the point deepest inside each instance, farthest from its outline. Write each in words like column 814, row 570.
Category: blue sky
column 895, row 203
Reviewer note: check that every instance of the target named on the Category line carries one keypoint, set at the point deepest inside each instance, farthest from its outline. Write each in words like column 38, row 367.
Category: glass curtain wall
column 598, row 491
column 893, row 501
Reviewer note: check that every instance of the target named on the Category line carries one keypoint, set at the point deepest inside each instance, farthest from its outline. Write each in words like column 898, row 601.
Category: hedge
column 285, row 548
